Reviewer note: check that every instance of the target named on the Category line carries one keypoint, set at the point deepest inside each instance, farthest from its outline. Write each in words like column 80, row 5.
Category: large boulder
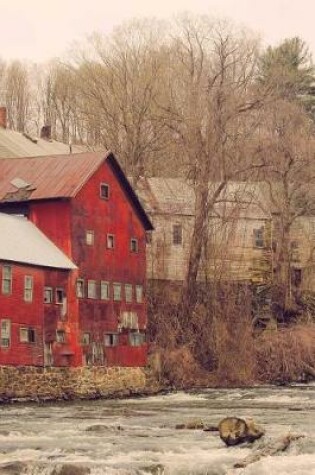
column 234, row 431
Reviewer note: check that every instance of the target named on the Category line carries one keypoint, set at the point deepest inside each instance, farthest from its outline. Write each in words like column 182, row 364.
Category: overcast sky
column 42, row 29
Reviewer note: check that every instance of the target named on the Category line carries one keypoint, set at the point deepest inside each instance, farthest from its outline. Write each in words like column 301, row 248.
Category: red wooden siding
column 119, row 265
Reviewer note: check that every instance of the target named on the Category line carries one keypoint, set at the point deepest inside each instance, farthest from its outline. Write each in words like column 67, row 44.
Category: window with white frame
column 110, row 243
column 117, row 291
column 104, row 290
column 27, row 335
column 60, row 336
column 80, row 288
column 139, row 293
column 137, row 338
column 5, row 340
column 128, row 292
column 28, row 288
column 48, row 295
column 134, row 245
column 7, row 280
column 104, row 191
column 89, row 238
column 91, row 289
column 111, row 339
column 177, row 235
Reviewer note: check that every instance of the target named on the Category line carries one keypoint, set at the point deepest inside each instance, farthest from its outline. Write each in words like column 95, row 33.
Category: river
column 138, row 436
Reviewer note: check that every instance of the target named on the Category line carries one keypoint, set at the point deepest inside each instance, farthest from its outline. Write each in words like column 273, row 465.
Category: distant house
column 85, row 205
column 16, row 144
column 242, row 237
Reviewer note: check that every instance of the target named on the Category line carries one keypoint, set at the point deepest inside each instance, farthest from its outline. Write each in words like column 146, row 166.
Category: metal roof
column 177, row 197
column 54, row 176
column 21, row 241
column 14, row 144
column 60, row 176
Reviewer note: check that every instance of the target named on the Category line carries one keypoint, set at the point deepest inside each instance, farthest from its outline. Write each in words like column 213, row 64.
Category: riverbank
column 26, row 383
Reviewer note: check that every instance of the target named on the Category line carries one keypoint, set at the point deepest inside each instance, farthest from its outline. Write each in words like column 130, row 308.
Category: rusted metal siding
column 50, row 176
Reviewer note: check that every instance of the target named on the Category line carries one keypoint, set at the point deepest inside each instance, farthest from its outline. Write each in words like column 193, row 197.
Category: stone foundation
column 30, row 383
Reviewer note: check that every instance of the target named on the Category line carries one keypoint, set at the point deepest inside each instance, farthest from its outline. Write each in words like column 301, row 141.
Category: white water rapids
column 138, row 436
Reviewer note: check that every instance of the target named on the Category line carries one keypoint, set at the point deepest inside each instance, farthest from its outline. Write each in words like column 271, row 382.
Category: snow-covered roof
column 21, row 241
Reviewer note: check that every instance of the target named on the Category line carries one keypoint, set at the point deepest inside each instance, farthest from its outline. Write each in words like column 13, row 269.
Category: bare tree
column 17, row 95
column 210, row 106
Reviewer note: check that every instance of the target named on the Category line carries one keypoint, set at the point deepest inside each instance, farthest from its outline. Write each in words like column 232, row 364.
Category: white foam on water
column 280, row 465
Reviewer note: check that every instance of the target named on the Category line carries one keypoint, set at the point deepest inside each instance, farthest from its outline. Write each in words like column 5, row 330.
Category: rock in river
column 234, row 431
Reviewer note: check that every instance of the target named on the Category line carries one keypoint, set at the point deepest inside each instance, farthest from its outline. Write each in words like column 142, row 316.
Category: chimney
column 45, row 132
column 3, row 117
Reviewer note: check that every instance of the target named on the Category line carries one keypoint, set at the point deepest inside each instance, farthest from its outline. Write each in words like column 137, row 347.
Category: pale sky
column 42, row 29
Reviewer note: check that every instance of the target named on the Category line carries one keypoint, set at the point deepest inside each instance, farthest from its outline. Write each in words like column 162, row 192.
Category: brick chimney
column 45, row 132
column 3, row 117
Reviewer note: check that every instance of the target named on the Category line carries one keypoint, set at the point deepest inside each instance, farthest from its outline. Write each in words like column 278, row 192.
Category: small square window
column 117, row 291
column 110, row 241
column 28, row 288
column 134, row 245
column 80, row 288
column 177, row 235
column 104, row 290
column 139, row 293
column 89, row 238
column 128, row 292
column 91, row 289
column 27, row 335
column 86, row 339
column 60, row 336
column 111, row 339
column 48, row 295
column 259, row 240
column 104, row 191
column 60, row 296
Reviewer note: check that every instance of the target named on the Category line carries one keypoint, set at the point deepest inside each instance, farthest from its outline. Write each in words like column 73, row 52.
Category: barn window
column 136, row 338
column 80, row 288
column 48, row 295
column 177, row 234
column 104, row 191
column 111, row 339
column 110, row 241
column 139, row 293
column 134, row 245
column 128, row 292
column 60, row 296
column 48, row 354
column 5, row 333
column 6, row 280
column 89, row 238
column 28, row 288
column 60, row 336
column 86, row 339
column 27, row 335
column 91, row 289
column 117, row 291
column 259, row 240
column 104, row 290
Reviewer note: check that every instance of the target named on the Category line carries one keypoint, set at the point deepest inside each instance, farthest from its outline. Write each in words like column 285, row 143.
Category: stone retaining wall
column 25, row 382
